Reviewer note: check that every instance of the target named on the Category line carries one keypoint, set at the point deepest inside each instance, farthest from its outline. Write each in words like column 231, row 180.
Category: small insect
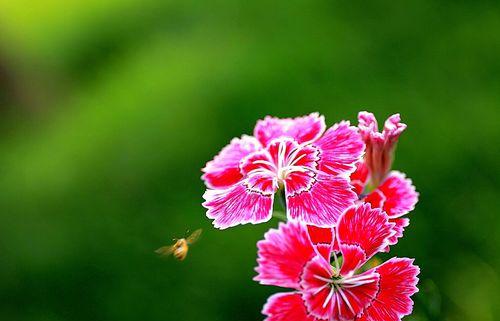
column 181, row 246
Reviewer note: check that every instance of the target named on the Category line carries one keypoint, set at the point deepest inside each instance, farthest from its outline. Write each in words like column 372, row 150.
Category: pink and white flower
column 297, row 257
column 380, row 146
column 311, row 165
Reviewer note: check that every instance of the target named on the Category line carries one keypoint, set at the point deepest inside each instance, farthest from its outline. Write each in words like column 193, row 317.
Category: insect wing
column 165, row 250
column 194, row 236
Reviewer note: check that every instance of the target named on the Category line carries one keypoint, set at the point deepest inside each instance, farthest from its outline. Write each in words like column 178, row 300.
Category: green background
column 110, row 108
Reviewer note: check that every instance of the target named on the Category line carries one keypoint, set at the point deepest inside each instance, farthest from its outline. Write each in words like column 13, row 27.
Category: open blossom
column 380, row 146
column 311, row 165
column 298, row 257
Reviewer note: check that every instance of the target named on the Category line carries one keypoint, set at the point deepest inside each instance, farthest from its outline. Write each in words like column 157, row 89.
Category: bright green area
column 110, row 108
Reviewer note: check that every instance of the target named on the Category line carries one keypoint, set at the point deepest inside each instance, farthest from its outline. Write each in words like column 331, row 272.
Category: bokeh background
column 108, row 110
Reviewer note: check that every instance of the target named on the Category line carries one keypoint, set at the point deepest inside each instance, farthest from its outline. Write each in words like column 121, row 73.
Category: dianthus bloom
column 297, row 156
column 390, row 190
column 298, row 257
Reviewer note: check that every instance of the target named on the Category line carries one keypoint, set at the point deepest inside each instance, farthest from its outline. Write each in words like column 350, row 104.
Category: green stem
column 282, row 198
column 279, row 215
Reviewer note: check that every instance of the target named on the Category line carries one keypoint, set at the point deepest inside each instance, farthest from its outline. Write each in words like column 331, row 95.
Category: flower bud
column 380, row 146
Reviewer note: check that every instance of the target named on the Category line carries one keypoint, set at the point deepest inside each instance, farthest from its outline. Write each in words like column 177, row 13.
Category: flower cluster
column 343, row 206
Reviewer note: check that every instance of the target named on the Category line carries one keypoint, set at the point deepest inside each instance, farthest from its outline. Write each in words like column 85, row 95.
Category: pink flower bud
column 380, row 146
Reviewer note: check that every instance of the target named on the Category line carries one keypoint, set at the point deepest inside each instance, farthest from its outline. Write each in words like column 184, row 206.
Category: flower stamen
column 344, row 297
column 328, row 298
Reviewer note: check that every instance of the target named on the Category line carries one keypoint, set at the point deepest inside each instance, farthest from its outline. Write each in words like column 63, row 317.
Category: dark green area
column 110, row 108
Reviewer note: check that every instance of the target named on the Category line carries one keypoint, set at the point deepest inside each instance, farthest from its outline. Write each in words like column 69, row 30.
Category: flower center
column 329, row 294
column 283, row 162
column 282, row 174
column 287, row 159
column 338, row 285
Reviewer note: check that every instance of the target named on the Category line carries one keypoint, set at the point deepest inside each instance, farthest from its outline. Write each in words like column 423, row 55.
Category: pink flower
column 396, row 196
column 297, row 257
column 379, row 146
column 310, row 165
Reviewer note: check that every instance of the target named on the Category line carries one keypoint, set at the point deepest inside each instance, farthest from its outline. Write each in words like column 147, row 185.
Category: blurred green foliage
column 110, row 108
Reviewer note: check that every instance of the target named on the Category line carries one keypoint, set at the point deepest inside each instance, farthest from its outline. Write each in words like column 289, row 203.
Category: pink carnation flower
column 298, row 257
column 380, row 146
column 310, row 165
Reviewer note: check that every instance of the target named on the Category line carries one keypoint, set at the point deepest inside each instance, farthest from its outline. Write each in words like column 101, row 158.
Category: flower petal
column 359, row 178
column 396, row 195
column 286, row 307
column 302, row 129
column 223, row 171
column 341, row 147
column 362, row 232
column 239, row 204
column 282, row 255
column 317, row 288
column 320, row 235
column 398, row 280
column 399, row 227
column 300, row 182
column 367, row 124
column 354, row 256
column 259, row 172
column 393, row 127
column 322, row 203
column 376, row 198
column 322, row 239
